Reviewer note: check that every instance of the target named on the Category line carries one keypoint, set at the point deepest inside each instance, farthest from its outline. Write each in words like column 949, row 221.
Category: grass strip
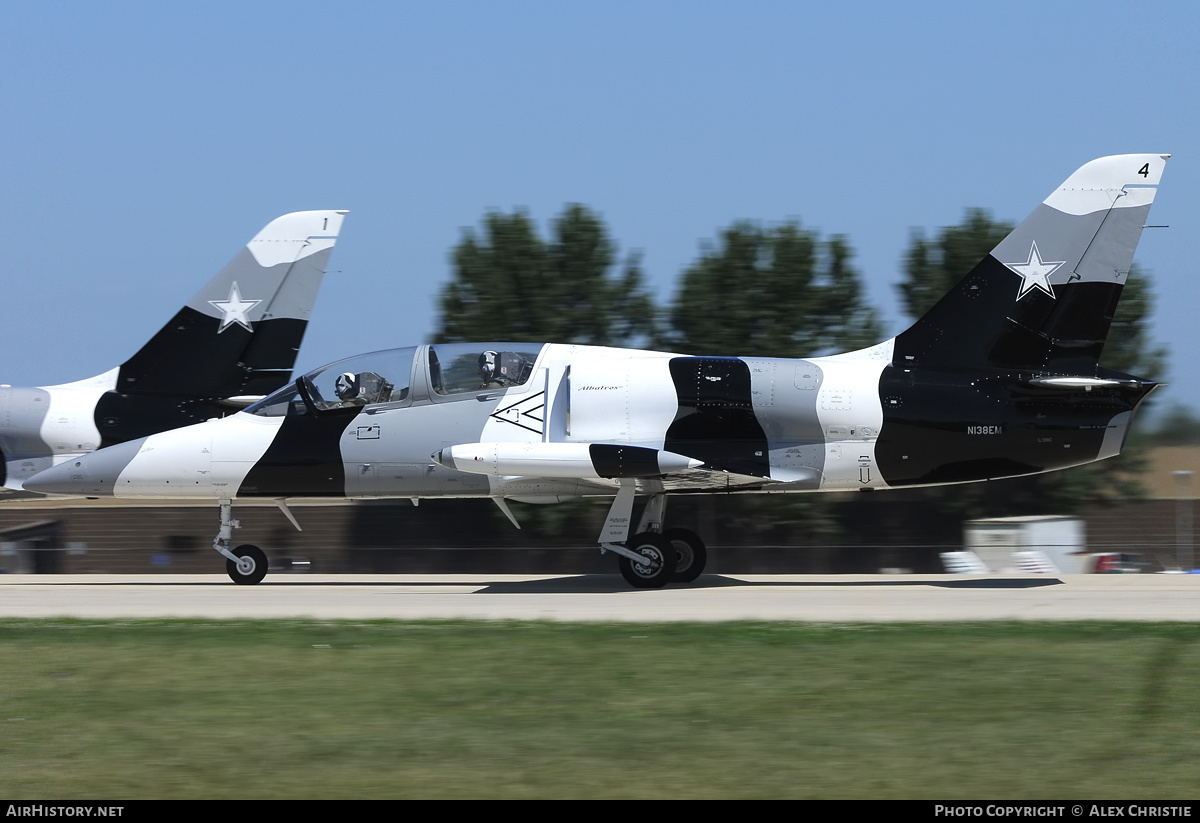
column 450, row 709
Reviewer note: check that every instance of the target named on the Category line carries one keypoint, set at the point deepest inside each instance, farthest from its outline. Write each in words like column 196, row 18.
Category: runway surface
column 819, row 598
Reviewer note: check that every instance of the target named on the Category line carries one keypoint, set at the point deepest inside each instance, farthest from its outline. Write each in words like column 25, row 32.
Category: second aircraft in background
column 232, row 343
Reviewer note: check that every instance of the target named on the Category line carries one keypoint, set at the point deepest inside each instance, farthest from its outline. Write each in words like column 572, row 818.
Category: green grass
column 183, row 709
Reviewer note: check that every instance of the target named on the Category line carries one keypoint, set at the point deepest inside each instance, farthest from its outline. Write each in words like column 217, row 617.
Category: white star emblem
column 234, row 309
column 1035, row 272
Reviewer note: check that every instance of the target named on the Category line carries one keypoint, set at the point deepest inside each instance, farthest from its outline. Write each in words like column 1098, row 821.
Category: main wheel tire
column 659, row 565
column 691, row 555
column 252, row 568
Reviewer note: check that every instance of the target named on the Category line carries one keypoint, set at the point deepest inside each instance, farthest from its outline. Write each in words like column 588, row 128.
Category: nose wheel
column 251, row 566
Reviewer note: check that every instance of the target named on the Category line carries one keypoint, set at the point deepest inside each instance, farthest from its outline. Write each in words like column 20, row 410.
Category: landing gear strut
column 652, row 557
column 247, row 564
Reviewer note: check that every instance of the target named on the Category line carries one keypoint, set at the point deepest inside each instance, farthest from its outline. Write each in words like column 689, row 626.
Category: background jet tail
column 239, row 335
column 1044, row 298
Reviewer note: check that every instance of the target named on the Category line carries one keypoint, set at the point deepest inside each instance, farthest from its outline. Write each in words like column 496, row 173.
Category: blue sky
column 144, row 143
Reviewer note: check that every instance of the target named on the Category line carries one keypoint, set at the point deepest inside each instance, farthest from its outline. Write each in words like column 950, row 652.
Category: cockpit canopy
column 455, row 368
column 450, row 371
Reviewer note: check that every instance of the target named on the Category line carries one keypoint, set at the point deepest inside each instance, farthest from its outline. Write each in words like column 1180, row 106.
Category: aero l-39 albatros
column 999, row 379
column 233, row 343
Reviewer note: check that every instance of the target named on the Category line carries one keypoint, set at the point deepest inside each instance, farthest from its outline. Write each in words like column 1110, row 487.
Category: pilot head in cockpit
column 346, row 388
column 489, row 371
column 503, row 369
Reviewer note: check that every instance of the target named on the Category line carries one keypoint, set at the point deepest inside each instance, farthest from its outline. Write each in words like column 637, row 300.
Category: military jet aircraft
column 232, row 344
column 999, row 379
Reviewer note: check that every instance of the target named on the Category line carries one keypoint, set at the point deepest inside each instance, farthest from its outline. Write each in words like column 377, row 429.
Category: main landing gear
column 655, row 563
column 690, row 554
column 651, row 558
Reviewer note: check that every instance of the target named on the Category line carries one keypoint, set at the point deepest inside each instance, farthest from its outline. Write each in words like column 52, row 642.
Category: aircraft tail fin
column 1044, row 298
column 239, row 335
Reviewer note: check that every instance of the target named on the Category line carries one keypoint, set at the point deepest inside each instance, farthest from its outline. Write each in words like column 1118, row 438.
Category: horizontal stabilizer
column 240, row 401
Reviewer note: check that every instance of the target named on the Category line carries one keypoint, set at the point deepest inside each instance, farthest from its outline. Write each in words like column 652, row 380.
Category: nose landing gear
column 251, row 566
column 245, row 565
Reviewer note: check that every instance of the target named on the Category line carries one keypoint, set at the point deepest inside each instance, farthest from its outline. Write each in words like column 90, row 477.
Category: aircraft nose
column 90, row 475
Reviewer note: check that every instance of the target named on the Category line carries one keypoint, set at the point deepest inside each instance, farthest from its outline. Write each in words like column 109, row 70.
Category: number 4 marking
column 1144, row 171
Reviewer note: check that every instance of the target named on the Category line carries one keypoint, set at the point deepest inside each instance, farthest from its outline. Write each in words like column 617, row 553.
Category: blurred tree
column 932, row 267
column 509, row 284
column 775, row 292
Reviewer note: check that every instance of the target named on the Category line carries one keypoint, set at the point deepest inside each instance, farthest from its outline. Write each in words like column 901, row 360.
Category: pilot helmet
column 346, row 386
column 488, row 361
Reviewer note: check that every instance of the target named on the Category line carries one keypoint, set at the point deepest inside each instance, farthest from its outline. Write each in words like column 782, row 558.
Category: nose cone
column 92, row 475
